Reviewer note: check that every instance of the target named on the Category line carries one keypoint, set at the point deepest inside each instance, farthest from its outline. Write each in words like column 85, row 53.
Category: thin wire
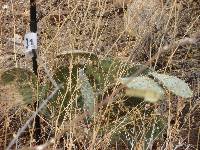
column 23, row 128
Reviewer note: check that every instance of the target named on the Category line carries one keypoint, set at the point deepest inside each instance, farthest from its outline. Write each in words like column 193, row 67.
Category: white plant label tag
column 30, row 41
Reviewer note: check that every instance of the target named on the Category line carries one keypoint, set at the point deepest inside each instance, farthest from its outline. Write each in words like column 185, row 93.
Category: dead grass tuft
column 134, row 31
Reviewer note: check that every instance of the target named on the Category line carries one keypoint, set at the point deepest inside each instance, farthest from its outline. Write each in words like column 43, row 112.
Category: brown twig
column 109, row 99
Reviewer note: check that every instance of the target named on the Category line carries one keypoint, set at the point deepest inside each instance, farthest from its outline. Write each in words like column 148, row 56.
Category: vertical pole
column 33, row 28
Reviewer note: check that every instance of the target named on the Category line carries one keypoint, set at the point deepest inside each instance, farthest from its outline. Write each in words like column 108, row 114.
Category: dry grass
column 108, row 29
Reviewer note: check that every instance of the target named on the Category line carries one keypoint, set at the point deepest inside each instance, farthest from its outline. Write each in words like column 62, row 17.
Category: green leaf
column 173, row 84
column 143, row 87
column 87, row 91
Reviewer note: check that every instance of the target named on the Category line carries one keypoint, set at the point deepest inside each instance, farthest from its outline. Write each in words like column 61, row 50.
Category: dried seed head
column 142, row 16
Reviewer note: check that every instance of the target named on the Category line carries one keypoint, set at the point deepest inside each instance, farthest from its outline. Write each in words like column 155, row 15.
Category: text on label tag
column 30, row 41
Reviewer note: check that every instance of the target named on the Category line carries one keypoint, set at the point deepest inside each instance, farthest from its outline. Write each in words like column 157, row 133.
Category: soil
column 100, row 28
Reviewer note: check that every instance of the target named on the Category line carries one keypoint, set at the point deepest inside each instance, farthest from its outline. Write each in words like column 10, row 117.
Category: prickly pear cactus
column 154, row 89
column 18, row 85
column 143, row 87
column 173, row 84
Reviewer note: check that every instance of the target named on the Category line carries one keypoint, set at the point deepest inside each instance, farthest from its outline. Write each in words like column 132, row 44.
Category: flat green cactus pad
column 17, row 85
